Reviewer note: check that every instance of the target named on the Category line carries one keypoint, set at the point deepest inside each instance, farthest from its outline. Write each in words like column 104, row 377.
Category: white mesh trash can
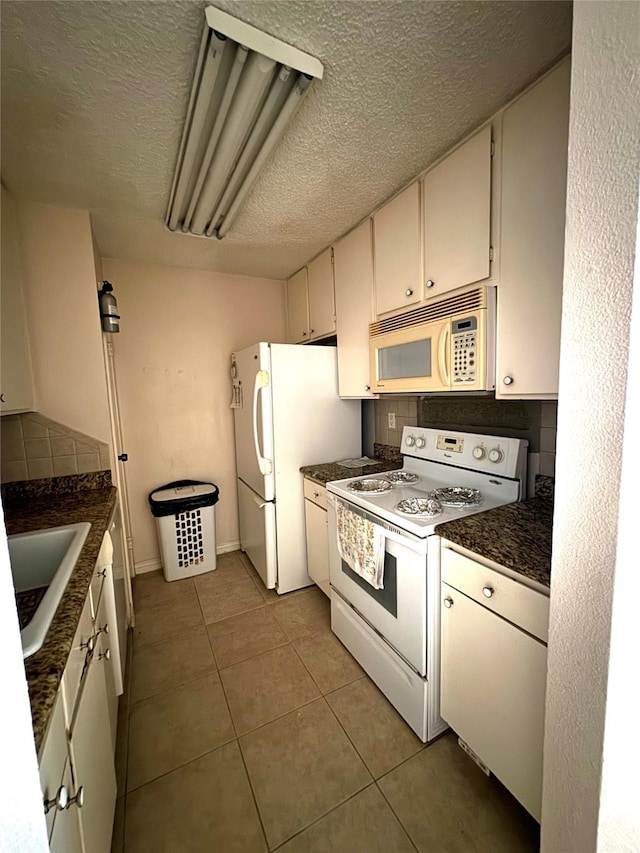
column 185, row 517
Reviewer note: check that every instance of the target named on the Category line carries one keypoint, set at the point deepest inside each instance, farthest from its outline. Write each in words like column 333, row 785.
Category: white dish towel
column 361, row 544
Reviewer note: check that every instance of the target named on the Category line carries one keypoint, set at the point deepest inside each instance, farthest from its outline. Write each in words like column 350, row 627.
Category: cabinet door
column 397, row 252
column 297, row 308
column 353, row 270
column 66, row 836
column 317, row 545
column 16, row 380
column 92, row 757
column 493, row 681
column 108, row 653
column 534, row 181
column 457, row 211
column 322, row 314
column 53, row 759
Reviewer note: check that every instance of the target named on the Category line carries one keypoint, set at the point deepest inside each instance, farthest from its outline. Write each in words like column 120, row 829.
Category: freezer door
column 254, row 421
column 258, row 532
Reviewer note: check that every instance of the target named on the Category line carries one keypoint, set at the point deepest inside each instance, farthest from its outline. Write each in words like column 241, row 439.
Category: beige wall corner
column 177, row 332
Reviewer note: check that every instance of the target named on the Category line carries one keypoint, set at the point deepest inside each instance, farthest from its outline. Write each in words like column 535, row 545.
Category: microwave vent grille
column 462, row 303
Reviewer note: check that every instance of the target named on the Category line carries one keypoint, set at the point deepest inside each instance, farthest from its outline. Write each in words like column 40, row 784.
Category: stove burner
column 401, row 477
column 419, row 507
column 457, row 496
column 370, row 487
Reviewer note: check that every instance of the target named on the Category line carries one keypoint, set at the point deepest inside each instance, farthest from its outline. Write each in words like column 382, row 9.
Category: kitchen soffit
column 94, row 96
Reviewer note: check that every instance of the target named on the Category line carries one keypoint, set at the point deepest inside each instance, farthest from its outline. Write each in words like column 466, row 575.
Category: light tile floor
column 247, row 726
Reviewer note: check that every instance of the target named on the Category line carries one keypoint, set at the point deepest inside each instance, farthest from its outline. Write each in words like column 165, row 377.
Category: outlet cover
column 391, row 417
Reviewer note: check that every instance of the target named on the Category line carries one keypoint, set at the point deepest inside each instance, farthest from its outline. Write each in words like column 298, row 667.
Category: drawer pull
column 60, row 801
column 89, row 645
column 103, row 630
column 488, row 591
column 448, row 602
column 101, row 573
column 78, row 800
column 105, row 655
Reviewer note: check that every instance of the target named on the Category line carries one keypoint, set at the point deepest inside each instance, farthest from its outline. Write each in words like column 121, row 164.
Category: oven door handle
column 402, row 537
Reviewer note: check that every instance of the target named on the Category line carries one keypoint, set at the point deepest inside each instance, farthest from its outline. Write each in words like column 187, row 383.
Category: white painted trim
column 145, row 566
column 154, row 565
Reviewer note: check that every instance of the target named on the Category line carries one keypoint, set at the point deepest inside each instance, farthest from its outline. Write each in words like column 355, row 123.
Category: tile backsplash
column 33, row 447
column 533, row 420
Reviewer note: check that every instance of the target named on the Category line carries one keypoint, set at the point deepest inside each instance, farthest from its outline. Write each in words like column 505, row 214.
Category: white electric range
column 394, row 632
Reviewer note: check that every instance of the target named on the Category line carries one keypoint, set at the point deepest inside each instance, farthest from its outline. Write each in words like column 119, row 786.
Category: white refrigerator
column 287, row 414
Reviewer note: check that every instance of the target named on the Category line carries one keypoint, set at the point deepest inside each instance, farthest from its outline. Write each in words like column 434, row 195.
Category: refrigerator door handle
column 261, row 381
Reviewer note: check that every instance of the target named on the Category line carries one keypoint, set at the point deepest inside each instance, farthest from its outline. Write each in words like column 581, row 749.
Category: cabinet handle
column 103, row 630
column 316, row 494
column 78, row 800
column 448, row 602
column 430, row 282
column 60, row 801
column 367, row 387
column 304, row 334
column 311, row 331
column 488, row 591
column 409, row 292
column 508, row 380
column 105, row 655
column 101, row 573
column 89, row 645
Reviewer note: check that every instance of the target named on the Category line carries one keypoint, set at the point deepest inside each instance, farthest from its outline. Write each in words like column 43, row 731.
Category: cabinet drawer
column 518, row 603
column 315, row 492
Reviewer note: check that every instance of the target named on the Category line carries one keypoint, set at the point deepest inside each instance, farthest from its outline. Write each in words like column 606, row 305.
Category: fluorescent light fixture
column 246, row 88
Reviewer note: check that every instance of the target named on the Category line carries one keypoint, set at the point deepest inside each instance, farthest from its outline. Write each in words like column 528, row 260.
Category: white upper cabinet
column 457, row 214
column 322, row 314
column 353, row 269
column 534, row 177
column 16, row 379
column 397, row 251
column 298, row 308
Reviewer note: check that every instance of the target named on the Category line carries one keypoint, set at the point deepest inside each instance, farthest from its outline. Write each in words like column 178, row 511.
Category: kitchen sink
column 41, row 564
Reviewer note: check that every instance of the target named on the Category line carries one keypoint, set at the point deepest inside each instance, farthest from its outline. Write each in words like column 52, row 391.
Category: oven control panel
column 491, row 454
column 454, row 443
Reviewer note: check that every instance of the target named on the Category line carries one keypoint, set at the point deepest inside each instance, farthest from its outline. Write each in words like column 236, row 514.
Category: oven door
column 399, row 611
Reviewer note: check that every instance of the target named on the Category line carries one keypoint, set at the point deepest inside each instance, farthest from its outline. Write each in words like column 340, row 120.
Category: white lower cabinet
column 77, row 758
column 92, row 757
column 493, row 673
column 315, row 515
column 67, row 836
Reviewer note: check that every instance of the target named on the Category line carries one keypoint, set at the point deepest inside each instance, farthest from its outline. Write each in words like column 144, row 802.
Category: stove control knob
column 496, row 455
column 420, row 442
column 479, row 452
column 410, row 441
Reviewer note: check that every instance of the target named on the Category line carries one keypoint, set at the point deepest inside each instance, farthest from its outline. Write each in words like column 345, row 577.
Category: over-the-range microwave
column 445, row 345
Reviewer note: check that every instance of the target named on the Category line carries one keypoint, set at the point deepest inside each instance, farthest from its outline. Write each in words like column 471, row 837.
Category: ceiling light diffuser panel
column 246, row 89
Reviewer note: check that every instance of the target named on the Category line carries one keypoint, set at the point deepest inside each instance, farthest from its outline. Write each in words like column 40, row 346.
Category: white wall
column 178, row 329
column 63, row 317
column 602, row 204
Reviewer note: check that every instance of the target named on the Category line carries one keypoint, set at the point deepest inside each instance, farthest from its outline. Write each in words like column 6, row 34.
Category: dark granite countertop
column 39, row 504
column 517, row 535
column 324, row 472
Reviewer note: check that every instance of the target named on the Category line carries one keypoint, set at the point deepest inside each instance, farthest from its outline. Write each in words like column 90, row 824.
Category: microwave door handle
column 261, row 381
column 443, row 359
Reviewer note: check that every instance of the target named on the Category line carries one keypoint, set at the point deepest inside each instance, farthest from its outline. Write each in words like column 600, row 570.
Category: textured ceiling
column 94, row 95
